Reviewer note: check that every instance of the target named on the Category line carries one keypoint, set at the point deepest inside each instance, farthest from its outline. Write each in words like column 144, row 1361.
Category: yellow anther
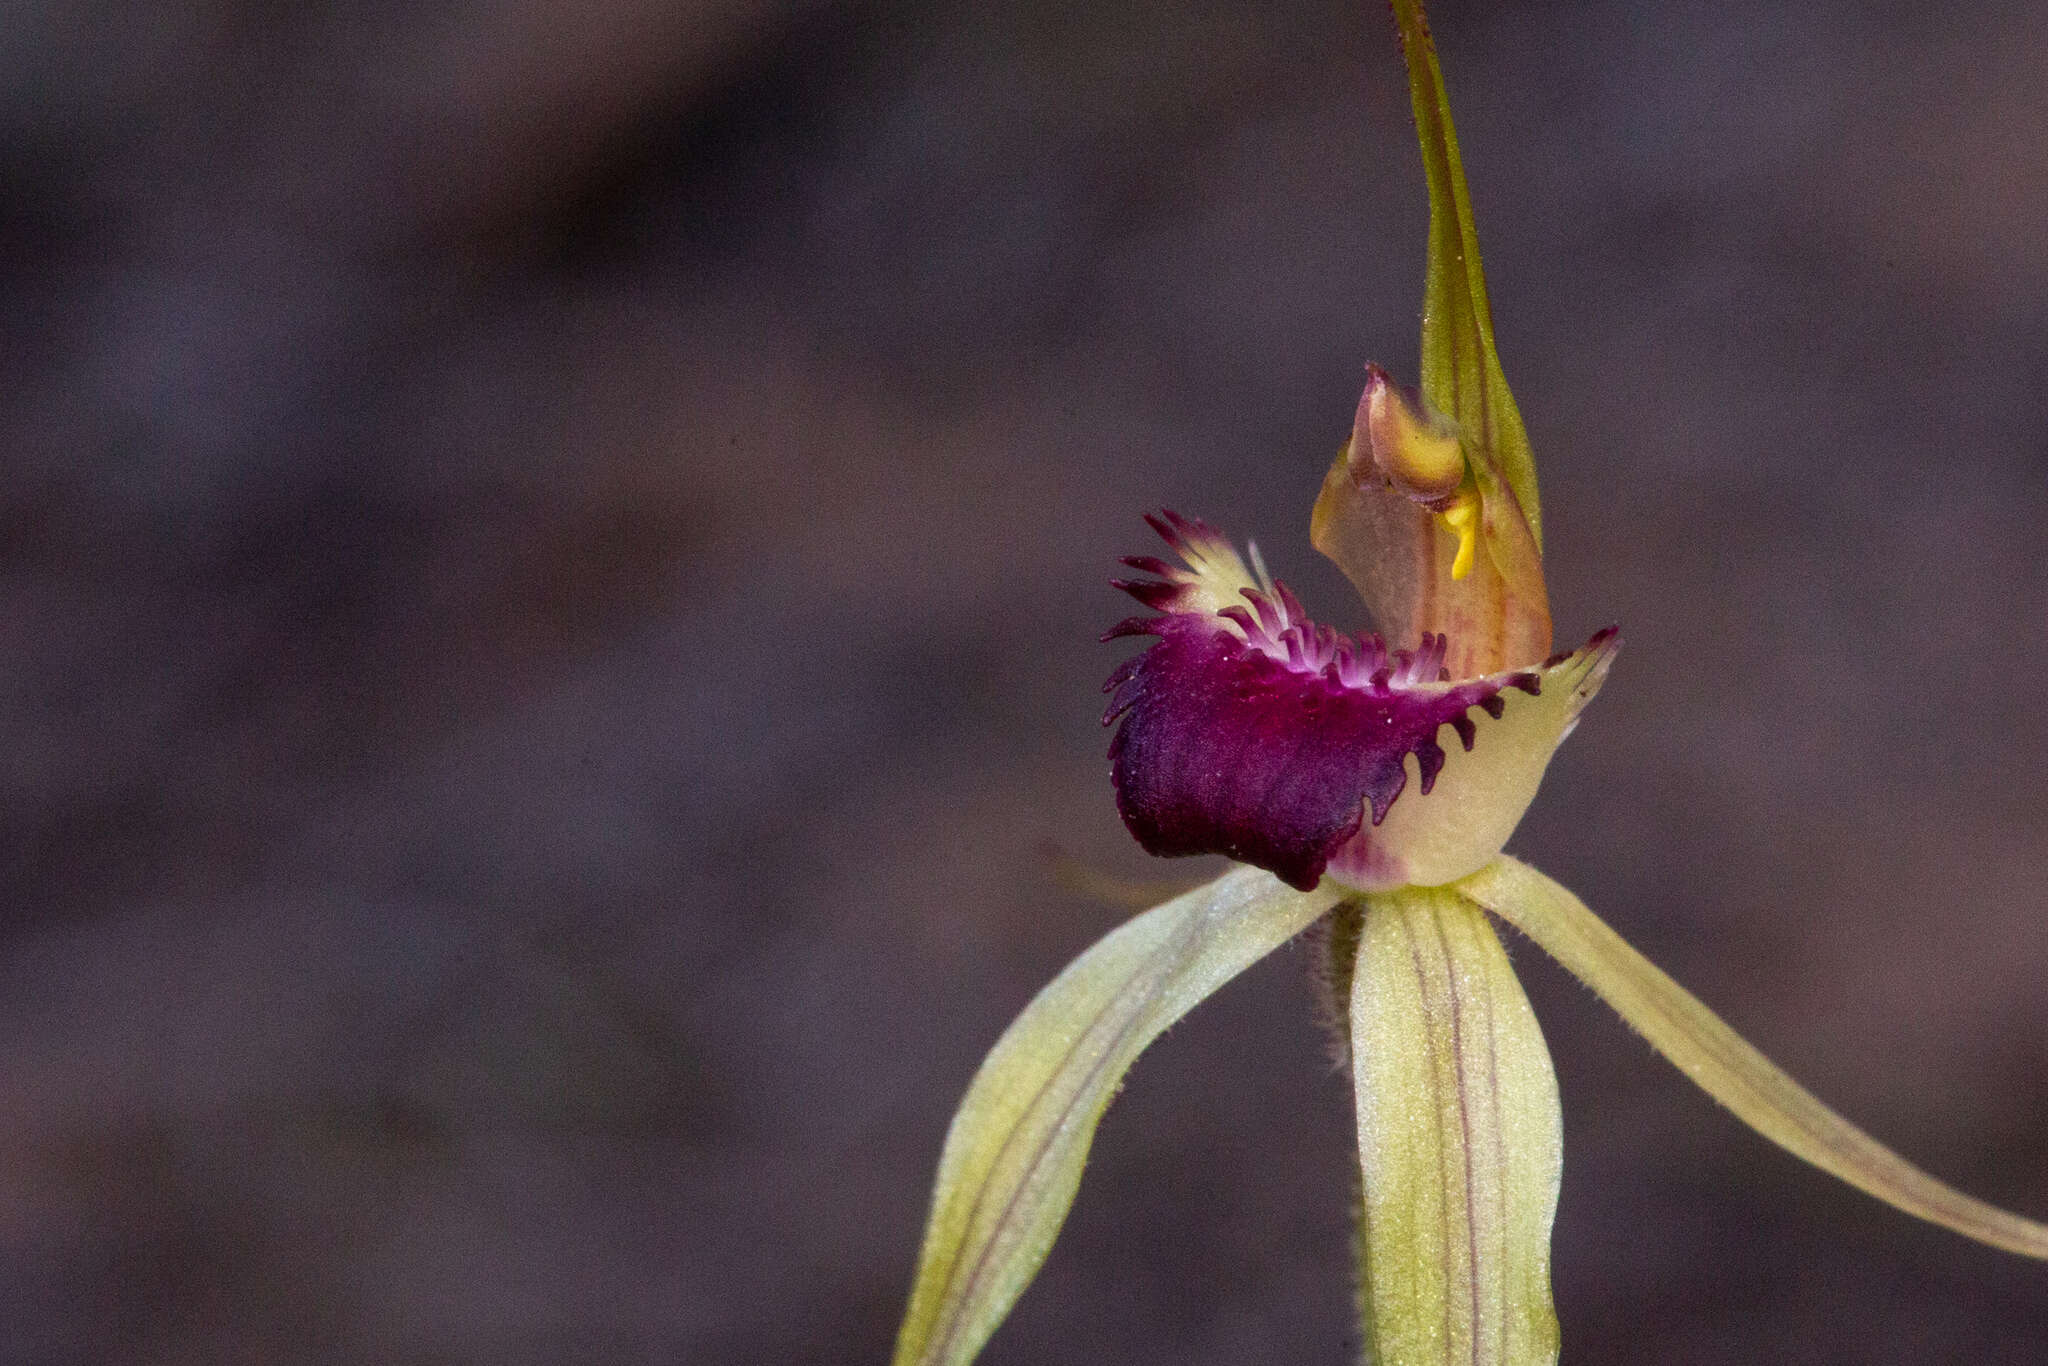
column 1462, row 517
column 1415, row 449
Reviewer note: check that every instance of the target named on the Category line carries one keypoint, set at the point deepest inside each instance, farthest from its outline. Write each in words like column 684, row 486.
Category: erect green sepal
column 1459, row 1140
column 1461, row 374
column 1725, row 1066
column 1013, row 1157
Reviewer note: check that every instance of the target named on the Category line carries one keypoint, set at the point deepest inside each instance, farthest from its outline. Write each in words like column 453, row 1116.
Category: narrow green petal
column 1727, row 1068
column 1461, row 373
column 1013, row 1157
column 1459, row 1139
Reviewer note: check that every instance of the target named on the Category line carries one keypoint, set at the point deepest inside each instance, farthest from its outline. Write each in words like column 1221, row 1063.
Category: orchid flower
column 1313, row 759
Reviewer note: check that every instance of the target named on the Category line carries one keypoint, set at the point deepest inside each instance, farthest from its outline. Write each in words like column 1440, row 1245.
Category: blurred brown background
column 550, row 560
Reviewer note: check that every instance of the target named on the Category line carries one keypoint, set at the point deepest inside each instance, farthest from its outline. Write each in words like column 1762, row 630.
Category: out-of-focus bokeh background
column 550, row 559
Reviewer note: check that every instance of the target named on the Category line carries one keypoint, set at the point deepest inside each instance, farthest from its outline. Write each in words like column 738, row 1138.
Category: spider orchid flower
column 1314, row 759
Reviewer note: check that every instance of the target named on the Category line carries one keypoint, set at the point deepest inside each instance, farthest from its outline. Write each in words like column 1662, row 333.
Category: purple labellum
column 1253, row 732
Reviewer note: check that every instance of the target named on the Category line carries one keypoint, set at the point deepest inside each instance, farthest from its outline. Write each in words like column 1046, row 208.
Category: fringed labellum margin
column 1251, row 731
column 1248, row 730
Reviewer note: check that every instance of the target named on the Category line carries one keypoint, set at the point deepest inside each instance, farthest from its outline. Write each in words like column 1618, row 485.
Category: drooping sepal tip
column 1725, row 1065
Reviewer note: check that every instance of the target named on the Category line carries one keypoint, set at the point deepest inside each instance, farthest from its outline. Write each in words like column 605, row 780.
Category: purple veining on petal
column 1252, row 731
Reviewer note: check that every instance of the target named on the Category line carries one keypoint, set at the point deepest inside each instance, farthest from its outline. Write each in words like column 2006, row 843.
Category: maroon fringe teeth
column 1252, row 731
column 1213, row 574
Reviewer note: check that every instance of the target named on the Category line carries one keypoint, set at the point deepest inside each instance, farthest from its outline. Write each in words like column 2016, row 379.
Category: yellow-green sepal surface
column 1013, row 1158
column 1459, row 1140
column 1724, row 1065
column 1461, row 374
